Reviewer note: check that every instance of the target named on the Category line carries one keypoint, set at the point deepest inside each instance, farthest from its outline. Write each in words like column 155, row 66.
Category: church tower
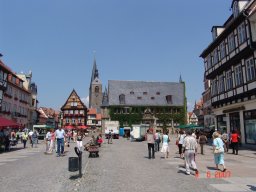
column 95, row 90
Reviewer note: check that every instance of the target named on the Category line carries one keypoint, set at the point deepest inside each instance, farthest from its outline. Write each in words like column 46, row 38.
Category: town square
column 127, row 96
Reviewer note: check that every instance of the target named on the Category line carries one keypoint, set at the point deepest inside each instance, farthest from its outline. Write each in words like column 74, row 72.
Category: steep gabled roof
column 50, row 112
column 73, row 97
column 91, row 111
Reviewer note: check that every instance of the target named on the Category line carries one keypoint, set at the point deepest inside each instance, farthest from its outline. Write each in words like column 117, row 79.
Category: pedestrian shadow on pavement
column 211, row 168
column 12, row 150
column 74, row 177
column 252, row 188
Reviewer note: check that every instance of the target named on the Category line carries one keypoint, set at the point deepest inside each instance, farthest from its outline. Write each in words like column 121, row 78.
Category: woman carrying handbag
column 218, row 150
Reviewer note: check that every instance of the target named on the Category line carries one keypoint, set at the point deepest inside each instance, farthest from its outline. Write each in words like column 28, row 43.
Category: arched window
column 97, row 89
column 169, row 99
column 122, row 99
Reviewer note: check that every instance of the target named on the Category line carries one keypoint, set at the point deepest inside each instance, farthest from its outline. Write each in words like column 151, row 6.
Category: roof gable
column 73, row 98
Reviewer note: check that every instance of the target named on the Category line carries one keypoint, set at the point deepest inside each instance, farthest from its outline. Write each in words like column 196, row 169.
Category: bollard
column 79, row 154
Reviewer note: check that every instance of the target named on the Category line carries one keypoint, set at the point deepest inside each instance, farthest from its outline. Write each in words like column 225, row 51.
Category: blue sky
column 149, row 40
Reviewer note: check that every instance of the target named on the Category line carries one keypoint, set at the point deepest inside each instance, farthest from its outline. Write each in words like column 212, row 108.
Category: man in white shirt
column 190, row 146
column 60, row 135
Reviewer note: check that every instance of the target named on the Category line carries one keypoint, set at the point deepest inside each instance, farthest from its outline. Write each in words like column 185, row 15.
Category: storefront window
column 221, row 123
column 234, row 122
column 250, row 126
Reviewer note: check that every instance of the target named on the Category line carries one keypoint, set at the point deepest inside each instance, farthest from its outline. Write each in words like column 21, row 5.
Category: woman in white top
column 79, row 140
column 165, row 146
column 181, row 138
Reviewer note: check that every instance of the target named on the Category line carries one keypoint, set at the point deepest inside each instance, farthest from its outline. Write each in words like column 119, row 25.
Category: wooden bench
column 93, row 151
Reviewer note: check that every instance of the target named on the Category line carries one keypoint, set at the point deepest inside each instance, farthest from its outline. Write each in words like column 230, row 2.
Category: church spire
column 180, row 79
column 95, row 73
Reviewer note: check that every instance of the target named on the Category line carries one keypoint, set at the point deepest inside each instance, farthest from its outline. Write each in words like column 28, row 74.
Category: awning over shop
column 43, row 127
column 82, row 127
column 7, row 123
column 190, row 126
column 69, row 127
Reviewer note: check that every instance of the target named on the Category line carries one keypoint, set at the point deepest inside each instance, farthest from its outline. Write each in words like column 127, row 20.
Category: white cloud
column 85, row 100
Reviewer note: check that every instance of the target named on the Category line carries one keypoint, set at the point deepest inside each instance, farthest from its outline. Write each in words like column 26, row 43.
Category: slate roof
column 147, row 91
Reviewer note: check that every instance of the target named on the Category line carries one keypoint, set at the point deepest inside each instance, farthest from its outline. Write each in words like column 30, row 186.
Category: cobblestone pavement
column 123, row 166
column 32, row 170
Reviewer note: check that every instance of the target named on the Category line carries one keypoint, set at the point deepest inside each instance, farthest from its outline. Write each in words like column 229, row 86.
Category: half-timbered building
column 74, row 112
column 229, row 63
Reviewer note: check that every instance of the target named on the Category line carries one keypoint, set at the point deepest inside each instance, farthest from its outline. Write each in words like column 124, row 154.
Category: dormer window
column 158, row 93
column 122, row 99
column 139, row 98
column 132, row 93
column 169, row 99
column 145, row 93
column 152, row 98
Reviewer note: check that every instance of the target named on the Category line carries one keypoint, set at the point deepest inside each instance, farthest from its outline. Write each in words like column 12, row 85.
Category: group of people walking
column 12, row 138
column 188, row 144
column 57, row 140
column 154, row 140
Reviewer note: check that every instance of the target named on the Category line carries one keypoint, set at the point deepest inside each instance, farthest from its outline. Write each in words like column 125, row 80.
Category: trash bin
column 73, row 164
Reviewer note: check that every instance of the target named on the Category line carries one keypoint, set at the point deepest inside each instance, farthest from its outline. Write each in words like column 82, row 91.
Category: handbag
column 177, row 142
column 218, row 150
